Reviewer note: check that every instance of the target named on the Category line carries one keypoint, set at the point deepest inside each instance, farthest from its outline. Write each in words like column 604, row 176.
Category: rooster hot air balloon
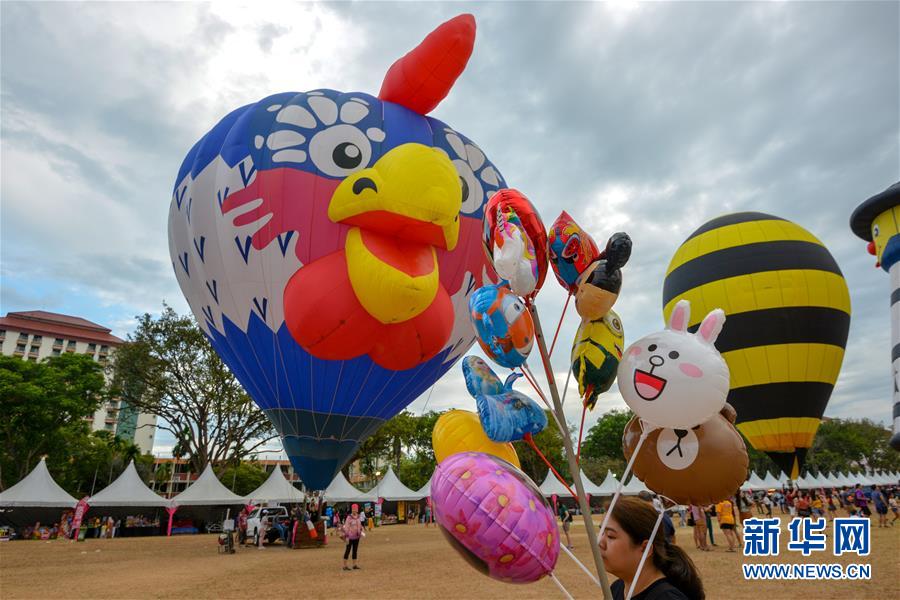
column 327, row 243
column 788, row 315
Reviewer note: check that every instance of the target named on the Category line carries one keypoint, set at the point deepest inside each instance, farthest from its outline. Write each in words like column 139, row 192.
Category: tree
column 44, row 406
column 169, row 368
column 550, row 443
column 244, row 478
column 604, row 439
column 841, row 444
column 91, row 462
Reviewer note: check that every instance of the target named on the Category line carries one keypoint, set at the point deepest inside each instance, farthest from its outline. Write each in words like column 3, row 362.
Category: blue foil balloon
column 506, row 415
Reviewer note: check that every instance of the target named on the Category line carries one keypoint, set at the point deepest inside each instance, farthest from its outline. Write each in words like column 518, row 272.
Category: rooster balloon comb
column 327, row 243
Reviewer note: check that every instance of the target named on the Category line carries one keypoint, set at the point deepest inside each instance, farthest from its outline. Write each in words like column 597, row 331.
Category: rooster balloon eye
column 465, row 188
column 340, row 150
column 347, row 155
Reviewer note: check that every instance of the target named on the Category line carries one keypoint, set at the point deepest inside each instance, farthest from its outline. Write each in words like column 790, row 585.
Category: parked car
column 273, row 513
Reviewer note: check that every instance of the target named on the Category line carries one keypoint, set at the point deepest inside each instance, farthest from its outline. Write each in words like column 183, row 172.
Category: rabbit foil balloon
column 327, row 242
column 675, row 378
column 506, row 414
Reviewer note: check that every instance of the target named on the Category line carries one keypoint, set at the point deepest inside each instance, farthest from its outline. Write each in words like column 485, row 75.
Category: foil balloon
column 495, row 517
column 600, row 284
column 503, row 324
column 326, row 243
column 674, row 378
column 596, row 353
column 571, row 251
column 788, row 309
column 460, row 431
column 531, row 222
column 514, row 255
column 506, row 415
column 701, row 465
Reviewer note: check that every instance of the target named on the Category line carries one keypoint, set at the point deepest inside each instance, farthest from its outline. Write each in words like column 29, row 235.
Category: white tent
column 552, row 486
column 275, row 489
column 127, row 490
column 771, row 481
column 425, row 490
column 206, row 491
column 37, row 489
column 833, row 480
column 634, row 486
column 590, row 488
column 340, row 490
column 391, row 488
column 609, row 485
column 755, row 482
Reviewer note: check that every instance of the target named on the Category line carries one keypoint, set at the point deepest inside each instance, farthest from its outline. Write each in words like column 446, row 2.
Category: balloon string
column 645, row 431
column 580, row 564
column 580, row 433
column 559, row 325
column 640, row 568
column 530, row 441
column 560, row 586
column 526, row 372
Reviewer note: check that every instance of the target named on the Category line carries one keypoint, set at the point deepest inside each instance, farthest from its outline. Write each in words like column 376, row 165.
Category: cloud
column 645, row 117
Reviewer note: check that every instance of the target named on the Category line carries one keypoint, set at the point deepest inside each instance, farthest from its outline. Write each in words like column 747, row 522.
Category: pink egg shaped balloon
column 495, row 517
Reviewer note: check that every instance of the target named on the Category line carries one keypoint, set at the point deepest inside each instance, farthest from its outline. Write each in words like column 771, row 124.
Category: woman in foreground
column 668, row 573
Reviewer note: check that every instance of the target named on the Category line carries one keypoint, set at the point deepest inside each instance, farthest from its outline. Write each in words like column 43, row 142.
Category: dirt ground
column 399, row 561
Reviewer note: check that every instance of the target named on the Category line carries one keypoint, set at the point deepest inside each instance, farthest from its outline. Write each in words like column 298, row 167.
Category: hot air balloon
column 327, row 243
column 788, row 315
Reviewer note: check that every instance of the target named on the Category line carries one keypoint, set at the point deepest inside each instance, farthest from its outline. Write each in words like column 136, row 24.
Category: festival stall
column 276, row 489
column 204, row 501
column 393, row 496
column 128, row 501
column 36, row 498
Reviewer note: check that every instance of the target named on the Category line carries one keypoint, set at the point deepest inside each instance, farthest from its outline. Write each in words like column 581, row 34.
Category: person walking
column 881, row 505
column 698, row 520
column 352, row 530
column 566, row 517
column 242, row 527
column 725, row 515
column 708, row 512
column 862, row 502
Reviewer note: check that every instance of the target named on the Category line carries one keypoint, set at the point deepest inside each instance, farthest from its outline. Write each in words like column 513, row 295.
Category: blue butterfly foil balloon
column 506, row 415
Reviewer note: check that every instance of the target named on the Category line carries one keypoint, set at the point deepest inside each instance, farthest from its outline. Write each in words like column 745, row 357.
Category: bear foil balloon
column 596, row 353
column 461, row 431
column 506, row 415
column 503, row 324
column 531, row 222
column 674, row 378
column 701, row 465
column 326, row 242
column 571, row 251
column 495, row 517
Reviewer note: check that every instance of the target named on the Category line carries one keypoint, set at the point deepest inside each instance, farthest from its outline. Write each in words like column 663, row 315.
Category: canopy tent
column 207, row 490
column 609, row 485
column 128, row 490
column 392, row 489
column 37, row 489
column 425, row 490
column 590, row 488
column 340, row 490
column 755, row 482
column 634, row 486
column 275, row 489
column 833, row 481
column 771, row 481
column 552, row 487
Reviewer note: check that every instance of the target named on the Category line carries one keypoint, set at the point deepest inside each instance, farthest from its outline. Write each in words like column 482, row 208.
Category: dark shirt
column 660, row 589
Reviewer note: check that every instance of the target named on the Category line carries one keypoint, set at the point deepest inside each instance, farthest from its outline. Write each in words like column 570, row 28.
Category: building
column 35, row 335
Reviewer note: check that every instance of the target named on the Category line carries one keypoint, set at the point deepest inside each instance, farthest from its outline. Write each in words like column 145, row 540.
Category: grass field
column 397, row 561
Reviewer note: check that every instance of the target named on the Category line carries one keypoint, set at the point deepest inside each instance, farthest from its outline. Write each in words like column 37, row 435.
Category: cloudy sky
column 645, row 117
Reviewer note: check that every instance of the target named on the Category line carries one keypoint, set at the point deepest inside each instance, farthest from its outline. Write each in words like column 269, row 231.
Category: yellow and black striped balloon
column 788, row 311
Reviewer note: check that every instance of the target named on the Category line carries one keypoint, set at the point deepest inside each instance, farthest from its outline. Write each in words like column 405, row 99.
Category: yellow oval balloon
column 788, row 311
column 461, row 431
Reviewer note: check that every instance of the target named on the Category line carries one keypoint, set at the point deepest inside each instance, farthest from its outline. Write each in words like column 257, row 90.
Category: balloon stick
column 646, row 428
column 570, row 453
column 640, row 568
column 560, row 586
column 581, row 432
column 580, row 564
